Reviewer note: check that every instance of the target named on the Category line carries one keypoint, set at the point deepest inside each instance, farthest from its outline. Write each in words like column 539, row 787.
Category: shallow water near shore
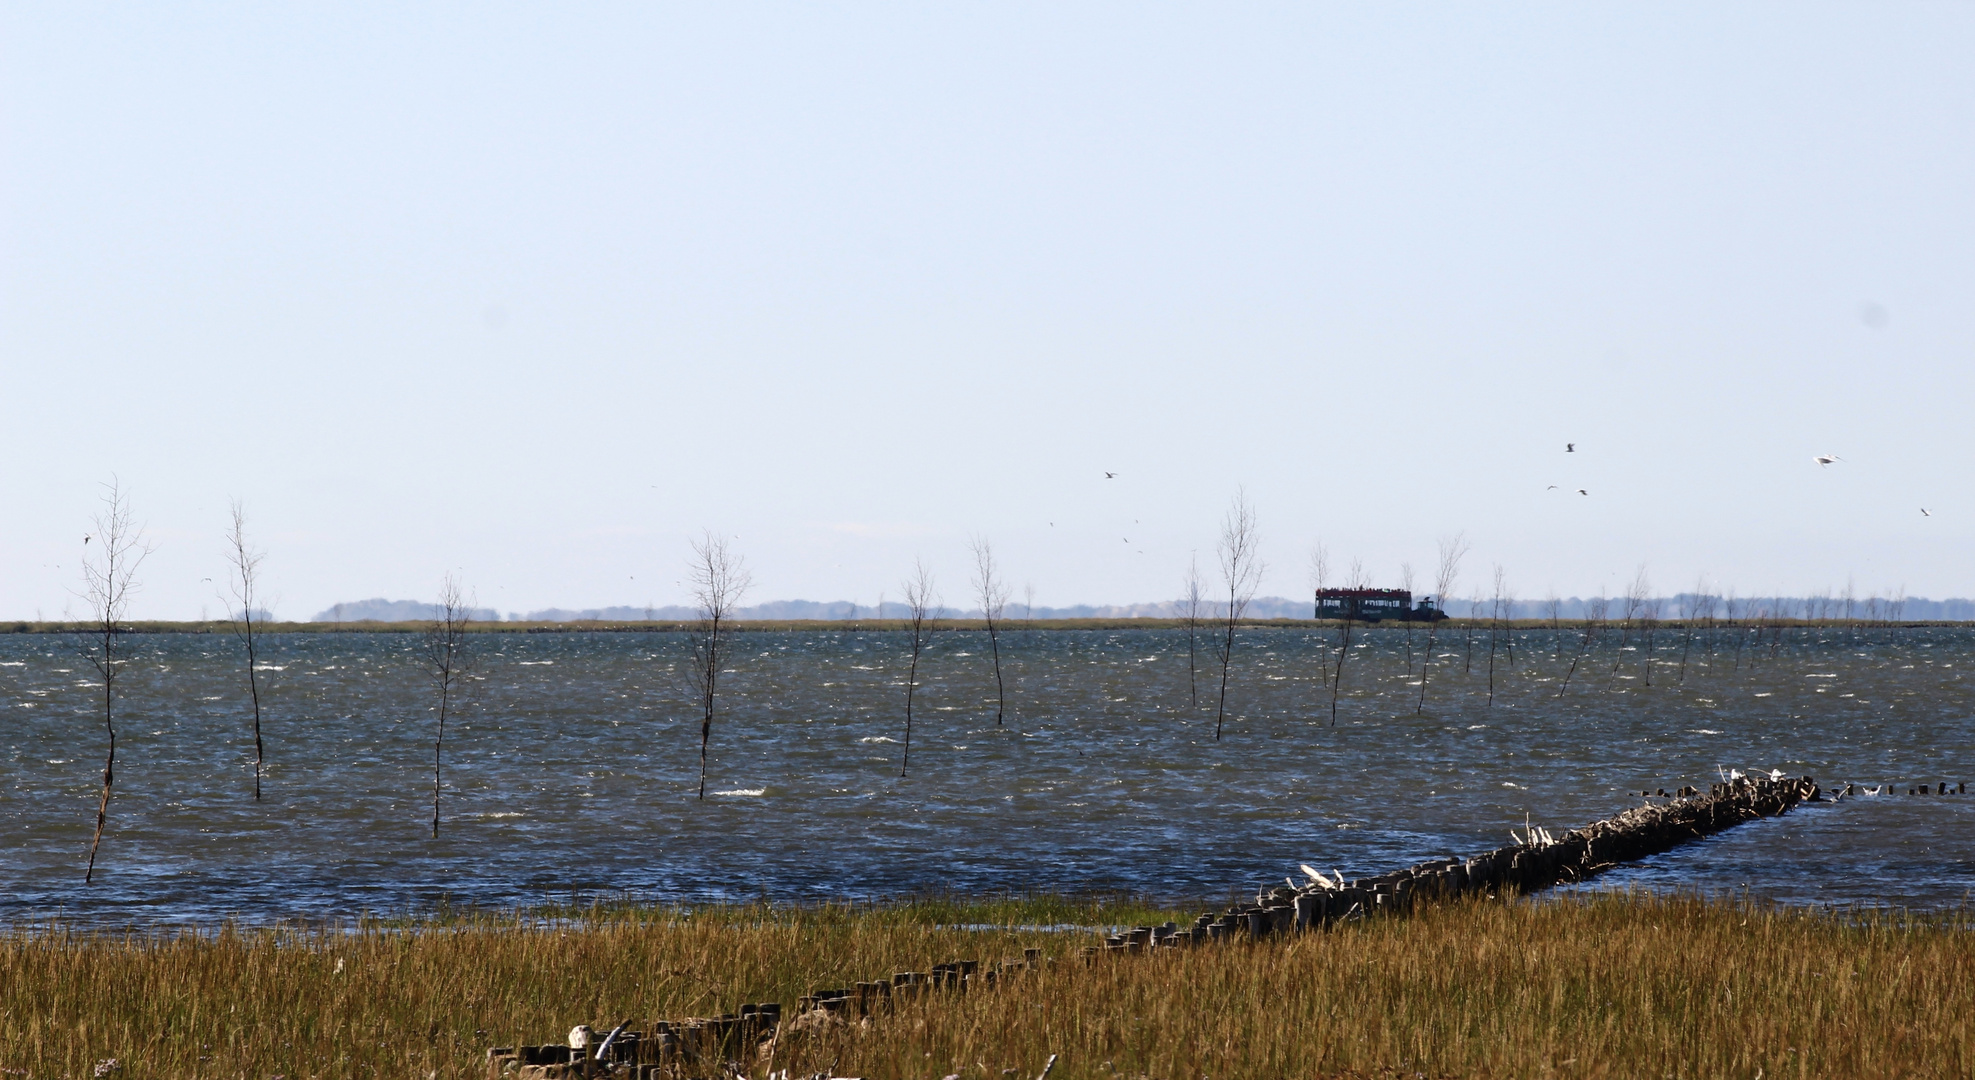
column 574, row 767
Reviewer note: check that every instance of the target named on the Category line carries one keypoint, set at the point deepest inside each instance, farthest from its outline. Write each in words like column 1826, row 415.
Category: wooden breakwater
column 1538, row 861
column 726, row 1044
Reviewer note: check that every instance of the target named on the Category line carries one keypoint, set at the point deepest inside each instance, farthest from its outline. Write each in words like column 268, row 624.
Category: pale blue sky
column 534, row 293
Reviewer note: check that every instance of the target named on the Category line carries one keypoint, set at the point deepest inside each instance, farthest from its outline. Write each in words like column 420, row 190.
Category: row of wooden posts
column 1537, row 861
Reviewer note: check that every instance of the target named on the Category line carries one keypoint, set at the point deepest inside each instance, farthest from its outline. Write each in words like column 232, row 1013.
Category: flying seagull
column 85, row 541
column 1570, row 448
column 1552, row 487
column 1581, row 491
column 1924, row 513
column 1110, row 476
column 1826, row 459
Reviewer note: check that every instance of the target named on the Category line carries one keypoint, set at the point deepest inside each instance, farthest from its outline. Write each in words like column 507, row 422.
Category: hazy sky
column 537, row 293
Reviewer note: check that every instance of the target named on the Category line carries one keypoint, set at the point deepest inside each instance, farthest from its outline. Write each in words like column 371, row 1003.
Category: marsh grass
column 1611, row 985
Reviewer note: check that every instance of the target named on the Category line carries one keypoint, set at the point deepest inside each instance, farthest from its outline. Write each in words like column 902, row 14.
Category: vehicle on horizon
column 1374, row 605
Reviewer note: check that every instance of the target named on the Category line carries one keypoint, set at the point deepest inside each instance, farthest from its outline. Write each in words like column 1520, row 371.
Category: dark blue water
column 575, row 767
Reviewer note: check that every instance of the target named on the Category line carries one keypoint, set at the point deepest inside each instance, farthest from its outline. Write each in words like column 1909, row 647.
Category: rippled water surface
column 575, row 766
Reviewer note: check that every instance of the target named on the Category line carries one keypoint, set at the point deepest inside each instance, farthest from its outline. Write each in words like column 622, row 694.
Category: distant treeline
column 1818, row 608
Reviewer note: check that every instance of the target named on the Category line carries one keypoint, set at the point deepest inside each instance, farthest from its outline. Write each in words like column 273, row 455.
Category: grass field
column 1612, row 986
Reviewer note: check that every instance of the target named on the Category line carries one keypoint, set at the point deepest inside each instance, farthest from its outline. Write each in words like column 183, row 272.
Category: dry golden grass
column 1616, row 986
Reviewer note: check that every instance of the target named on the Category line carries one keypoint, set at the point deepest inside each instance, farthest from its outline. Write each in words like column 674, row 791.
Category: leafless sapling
column 1406, row 586
column 1494, row 626
column 1594, row 620
column 1649, row 620
column 1452, row 550
column 109, row 576
column 992, row 593
column 1509, row 625
column 1354, row 582
column 1690, row 615
column 921, row 613
column 1319, row 580
column 1710, row 604
column 719, row 579
column 1553, row 608
column 449, row 663
column 1474, row 616
column 245, row 586
column 1190, row 607
column 1635, row 602
column 1241, row 572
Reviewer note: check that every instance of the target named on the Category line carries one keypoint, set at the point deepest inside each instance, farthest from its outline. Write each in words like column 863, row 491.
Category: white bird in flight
column 1570, row 448
column 1826, row 459
column 1110, row 476
column 1581, row 491
column 1924, row 513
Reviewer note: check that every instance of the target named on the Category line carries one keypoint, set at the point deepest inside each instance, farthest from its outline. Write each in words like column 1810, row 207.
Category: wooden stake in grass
column 720, row 579
column 1452, row 550
column 993, row 596
column 109, row 576
column 1241, row 571
column 920, row 604
column 245, row 584
column 449, row 662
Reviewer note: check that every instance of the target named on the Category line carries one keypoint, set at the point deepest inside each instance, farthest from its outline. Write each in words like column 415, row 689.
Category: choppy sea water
column 574, row 767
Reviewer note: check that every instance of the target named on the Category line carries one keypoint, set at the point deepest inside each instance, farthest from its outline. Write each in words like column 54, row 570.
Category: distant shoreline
column 1011, row 626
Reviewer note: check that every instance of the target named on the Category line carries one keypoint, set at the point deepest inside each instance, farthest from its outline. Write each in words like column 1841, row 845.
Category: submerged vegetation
column 1610, row 985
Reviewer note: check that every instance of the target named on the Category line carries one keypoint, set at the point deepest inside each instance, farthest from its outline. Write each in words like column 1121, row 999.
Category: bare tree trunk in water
column 1190, row 617
column 246, row 579
column 719, row 578
column 1241, row 571
column 449, row 663
column 922, row 613
column 1319, row 580
column 1406, row 586
column 1594, row 622
column 1354, row 582
column 993, row 597
column 109, row 576
column 1452, row 550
